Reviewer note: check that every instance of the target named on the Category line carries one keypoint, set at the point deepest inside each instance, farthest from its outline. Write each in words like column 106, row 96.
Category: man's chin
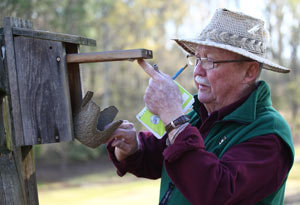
column 204, row 99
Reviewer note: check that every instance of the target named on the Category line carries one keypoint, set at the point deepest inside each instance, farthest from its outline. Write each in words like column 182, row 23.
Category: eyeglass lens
column 192, row 60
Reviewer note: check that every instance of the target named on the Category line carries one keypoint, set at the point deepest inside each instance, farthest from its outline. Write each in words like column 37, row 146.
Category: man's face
column 222, row 85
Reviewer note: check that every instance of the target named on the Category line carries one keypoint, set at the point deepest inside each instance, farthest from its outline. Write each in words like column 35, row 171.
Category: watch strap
column 175, row 123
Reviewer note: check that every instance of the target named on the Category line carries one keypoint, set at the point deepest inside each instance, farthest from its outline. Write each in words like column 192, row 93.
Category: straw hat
column 235, row 32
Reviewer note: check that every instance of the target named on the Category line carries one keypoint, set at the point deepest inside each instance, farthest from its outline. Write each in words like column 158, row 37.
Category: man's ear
column 252, row 72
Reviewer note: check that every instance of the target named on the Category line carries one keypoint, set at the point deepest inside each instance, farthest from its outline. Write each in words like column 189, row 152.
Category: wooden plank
column 74, row 76
column 47, row 35
column 10, row 185
column 29, row 175
column 44, row 100
column 1, row 35
column 2, row 129
column 3, row 77
column 105, row 56
column 14, row 166
column 18, row 22
column 12, row 75
column 12, row 181
column 7, row 124
column 3, row 82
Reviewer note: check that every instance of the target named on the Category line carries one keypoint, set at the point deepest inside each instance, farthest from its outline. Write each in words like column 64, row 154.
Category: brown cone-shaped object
column 89, row 120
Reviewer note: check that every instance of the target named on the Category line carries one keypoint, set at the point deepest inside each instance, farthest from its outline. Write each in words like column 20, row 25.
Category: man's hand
column 162, row 96
column 124, row 140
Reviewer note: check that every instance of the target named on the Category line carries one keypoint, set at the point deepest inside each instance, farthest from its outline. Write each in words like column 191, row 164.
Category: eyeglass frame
column 220, row 61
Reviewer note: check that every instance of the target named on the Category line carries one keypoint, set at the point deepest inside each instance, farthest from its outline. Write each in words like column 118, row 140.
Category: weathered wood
column 18, row 22
column 3, row 91
column 74, row 76
column 44, row 92
column 12, row 74
column 10, row 184
column 7, row 123
column 12, row 156
column 2, row 129
column 3, row 77
column 47, row 35
column 117, row 55
column 29, row 176
column 18, row 183
column 13, row 182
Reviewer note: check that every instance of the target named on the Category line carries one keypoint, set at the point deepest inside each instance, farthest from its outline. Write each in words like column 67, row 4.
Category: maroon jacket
column 267, row 150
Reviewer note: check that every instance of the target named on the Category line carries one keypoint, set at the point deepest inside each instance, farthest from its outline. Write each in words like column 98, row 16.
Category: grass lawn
column 102, row 188
column 108, row 188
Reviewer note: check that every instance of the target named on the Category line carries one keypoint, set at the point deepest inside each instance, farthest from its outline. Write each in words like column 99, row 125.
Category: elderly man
column 234, row 147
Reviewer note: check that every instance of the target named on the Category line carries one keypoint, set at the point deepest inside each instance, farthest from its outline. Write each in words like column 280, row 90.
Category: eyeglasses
column 208, row 64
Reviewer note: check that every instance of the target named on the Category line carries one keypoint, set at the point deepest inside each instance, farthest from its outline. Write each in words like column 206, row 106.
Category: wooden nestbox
column 40, row 90
column 41, row 84
column 44, row 79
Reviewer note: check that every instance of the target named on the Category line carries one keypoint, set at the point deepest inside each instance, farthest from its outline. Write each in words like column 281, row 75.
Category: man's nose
column 199, row 70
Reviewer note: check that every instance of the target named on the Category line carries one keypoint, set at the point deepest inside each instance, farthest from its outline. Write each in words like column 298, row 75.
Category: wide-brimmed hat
column 235, row 32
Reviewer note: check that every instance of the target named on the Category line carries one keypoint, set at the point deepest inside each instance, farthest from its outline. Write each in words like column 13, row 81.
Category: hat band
column 250, row 45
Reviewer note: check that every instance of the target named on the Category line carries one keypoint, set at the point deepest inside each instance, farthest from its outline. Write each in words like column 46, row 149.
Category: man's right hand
column 124, row 140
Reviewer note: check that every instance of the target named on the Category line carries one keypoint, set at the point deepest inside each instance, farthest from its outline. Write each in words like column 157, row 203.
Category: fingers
column 125, row 141
column 148, row 68
column 125, row 124
column 125, row 130
column 120, row 133
column 152, row 72
column 118, row 142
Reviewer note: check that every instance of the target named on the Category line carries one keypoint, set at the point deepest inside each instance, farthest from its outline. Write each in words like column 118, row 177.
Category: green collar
column 247, row 111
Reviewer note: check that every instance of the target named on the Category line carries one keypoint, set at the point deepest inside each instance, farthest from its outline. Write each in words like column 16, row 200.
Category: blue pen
column 178, row 72
column 182, row 69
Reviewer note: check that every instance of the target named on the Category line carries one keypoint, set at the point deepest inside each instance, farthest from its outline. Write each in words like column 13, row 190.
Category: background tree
column 284, row 26
column 115, row 24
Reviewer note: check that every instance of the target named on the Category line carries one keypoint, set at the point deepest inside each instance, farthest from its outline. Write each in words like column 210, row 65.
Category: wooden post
column 35, row 105
column 17, row 171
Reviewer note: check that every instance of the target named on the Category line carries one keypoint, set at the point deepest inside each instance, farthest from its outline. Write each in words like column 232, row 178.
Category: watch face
column 181, row 120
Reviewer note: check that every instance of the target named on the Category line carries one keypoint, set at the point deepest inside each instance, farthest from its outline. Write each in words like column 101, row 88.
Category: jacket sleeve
column 250, row 170
column 146, row 162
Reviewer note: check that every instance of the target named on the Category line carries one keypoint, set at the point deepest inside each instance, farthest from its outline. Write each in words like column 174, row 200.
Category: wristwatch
column 178, row 121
